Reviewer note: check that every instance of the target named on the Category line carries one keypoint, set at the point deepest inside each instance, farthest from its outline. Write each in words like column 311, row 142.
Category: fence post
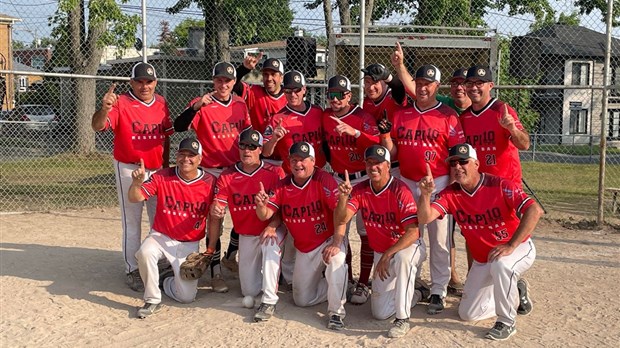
column 601, row 176
column 362, row 49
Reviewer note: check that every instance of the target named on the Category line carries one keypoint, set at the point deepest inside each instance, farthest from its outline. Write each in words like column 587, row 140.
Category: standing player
column 259, row 241
column 306, row 199
column 183, row 196
column 266, row 100
column 493, row 128
column 486, row 208
column 141, row 124
column 458, row 99
column 389, row 212
column 348, row 131
column 427, row 130
column 217, row 125
column 297, row 121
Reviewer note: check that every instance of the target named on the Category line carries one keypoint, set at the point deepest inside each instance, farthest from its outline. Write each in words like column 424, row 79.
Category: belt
column 395, row 164
column 353, row 176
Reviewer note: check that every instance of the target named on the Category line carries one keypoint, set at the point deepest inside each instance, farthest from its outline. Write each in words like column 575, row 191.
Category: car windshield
column 38, row 110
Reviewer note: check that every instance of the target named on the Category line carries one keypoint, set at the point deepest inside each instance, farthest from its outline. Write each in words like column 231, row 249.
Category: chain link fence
column 548, row 60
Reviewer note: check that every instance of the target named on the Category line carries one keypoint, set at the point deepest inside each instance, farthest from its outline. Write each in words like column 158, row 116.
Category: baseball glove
column 195, row 265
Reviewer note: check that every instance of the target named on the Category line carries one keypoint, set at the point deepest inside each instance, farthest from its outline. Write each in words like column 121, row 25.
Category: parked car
column 31, row 117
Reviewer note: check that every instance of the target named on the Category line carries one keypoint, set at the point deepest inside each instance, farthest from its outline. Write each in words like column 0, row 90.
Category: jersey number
column 429, row 156
column 354, row 157
column 320, row 228
column 490, row 160
column 197, row 225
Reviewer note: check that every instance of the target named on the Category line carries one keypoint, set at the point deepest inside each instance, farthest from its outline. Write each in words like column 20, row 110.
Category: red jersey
column 385, row 106
column 496, row 152
column 262, row 105
column 140, row 129
column 347, row 152
column 301, row 126
column 487, row 216
column 217, row 127
column 182, row 206
column 385, row 213
column 307, row 210
column 237, row 189
column 427, row 134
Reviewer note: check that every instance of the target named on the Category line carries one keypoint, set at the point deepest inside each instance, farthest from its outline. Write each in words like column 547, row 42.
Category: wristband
column 357, row 133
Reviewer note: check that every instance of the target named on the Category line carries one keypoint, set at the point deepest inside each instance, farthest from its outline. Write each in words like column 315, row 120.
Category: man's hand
column 330, row 251
column 499, row 251
column 345, row 187
column 261, row 198
column 427, row 184
column 205, row 100
column 139, row 174
column 279, row 132
column 397, row 58
column 507, row 121
column 383, row 267
column 269, row 235
column 250, row 61
column 384, row 125
column 109, row 99
column 218, row 211
column 343, row 128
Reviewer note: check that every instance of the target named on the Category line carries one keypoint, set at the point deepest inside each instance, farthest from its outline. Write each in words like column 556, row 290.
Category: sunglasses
column 478, row 84
column 462, row 162
column 338, row 95
column 248, row 147
column 291, row 90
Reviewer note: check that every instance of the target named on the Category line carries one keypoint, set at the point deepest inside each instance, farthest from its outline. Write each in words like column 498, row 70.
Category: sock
column 348, row 260
column 233, row 246
column 215, row 262
column 366, row 260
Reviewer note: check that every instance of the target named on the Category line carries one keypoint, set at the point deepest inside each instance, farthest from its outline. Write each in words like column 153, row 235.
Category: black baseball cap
column 273, row 64
column 459, row 74
column 293, row 79
column 339, row 83
column 428, row 72
column 480, row 72
column 377, row 152
column 302, row 149
column 225, row 69
column 251, row 137
column 462, row 151
column 374, row 70
column 192, row 145
column 143, row 71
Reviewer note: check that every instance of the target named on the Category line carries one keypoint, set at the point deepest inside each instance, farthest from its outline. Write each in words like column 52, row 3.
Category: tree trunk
column 85, row 101
column 329, row 23
column 370, row 4
column 345, row 15
column 223, row 33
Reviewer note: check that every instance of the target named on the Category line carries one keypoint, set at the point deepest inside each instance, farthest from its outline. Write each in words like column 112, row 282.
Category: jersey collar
column 471, row 194
column 303, row 186
column 140, row 101
column 485, row 108
column 415, row 105
column 377, row 193
column 241, row 171
column 222, row 102
column 201, row 173
column 300, row 113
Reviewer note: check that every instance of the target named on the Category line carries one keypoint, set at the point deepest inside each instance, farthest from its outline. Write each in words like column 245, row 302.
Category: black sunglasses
column 291, row 90
column 478, row 84
column 462, row 162
column 338, row 95
column 248, row 147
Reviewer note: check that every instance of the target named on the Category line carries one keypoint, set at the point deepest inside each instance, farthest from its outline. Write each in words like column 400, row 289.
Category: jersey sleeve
column 167, row 122
column 369, row 133
column 113, row 116
column 515, row 197
column 275, row 200
column 150, row 185
column 407, row 208
column 455, row 131
column 442, row 203
column 220, row 192
column 196, row 119
column 355, row 198
column 329, row 192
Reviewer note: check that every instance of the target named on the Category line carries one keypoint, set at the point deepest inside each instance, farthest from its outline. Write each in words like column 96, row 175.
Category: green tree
column 587, row 6
column 86, row 37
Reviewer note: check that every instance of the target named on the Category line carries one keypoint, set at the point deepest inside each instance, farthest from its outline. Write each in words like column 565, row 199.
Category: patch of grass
column 576, row 150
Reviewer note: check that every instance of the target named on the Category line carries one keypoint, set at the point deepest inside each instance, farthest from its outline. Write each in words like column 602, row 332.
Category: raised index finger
column 428, row 170
column 262, row 188
column 346, row 177
column 398, row 48
column 112, row 87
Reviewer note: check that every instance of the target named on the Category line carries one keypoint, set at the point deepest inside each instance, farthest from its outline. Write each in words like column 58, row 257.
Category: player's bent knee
column 499, row 266
column 465, row 314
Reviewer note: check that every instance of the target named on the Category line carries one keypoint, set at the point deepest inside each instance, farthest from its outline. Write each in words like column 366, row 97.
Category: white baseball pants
column 439, row 239
column 158, row 246
column 491, row 288
column 131, row 213
column 395, row 295
column 310, row 287
column 260, row 266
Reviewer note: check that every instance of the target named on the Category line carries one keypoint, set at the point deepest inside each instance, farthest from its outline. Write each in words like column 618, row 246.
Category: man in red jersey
column 348, row 131
column 266, row 100
column 426, row 131
column 260, row 242
column 493, row 128
column 183, row 196
column 217, row 119
column 297, row 121
column 486, row 208
column 306, row 200
column 141, row 123
column 389, row 212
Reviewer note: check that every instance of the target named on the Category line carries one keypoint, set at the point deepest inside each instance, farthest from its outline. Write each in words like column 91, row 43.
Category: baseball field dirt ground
column 62, row 285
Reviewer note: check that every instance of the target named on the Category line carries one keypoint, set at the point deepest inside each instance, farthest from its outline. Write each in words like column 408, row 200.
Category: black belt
column 353, row 176
column 395, row 164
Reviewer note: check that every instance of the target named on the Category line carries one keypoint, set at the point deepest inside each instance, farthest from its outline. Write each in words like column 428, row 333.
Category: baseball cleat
column 500, row 332
column 230, row 263
column 360, row 295
column 134, row 281
column 436, row 305
column 525, row 303
column 163, row 274
column 424, row 289
column 335, row 323
column 400, row 328
column 264, row 312
column 148, row 309
column 218, row 284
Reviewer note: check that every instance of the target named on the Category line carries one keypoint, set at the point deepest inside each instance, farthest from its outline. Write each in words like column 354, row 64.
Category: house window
column 578, row 121
column 23, row 83
column 614, row 124
column 581, row 74
column 615, row 79
column 38, row 62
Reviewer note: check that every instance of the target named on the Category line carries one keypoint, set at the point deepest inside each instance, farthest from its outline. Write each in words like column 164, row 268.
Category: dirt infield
column 62, row 284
